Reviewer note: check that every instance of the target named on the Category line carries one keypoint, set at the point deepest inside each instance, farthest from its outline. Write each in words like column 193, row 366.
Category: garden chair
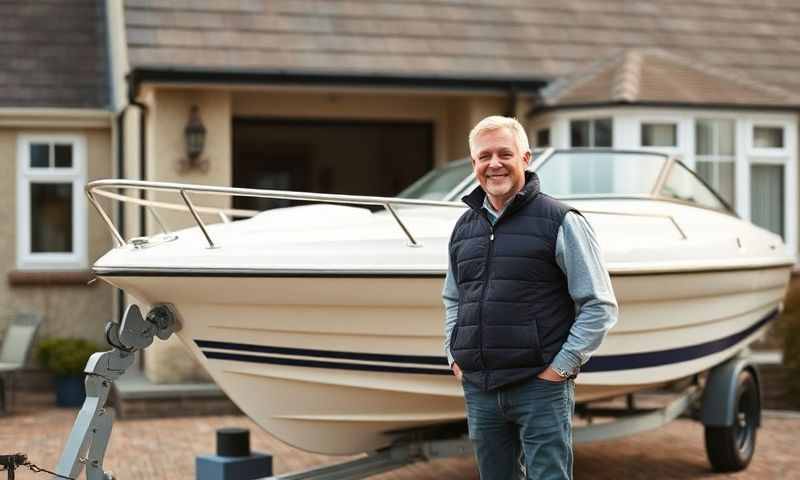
column 14, row 352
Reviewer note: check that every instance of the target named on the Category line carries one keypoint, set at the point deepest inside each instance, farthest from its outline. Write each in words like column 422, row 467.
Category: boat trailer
column 403, row 454
column 728, row 403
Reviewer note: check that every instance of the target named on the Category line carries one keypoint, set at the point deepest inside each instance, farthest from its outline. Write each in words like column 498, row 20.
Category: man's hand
column 456, row 371
column 550, row 375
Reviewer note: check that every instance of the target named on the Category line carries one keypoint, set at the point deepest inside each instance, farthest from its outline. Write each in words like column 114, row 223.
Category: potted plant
column 66, row 358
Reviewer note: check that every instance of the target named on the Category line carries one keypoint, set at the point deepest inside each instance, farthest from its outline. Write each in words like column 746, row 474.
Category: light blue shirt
column 579, row 257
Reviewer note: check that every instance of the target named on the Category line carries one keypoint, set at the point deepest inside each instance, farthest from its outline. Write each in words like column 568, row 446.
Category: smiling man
column 527, row 302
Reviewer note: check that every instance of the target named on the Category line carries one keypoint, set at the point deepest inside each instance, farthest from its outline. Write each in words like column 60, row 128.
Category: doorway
column 328, row 156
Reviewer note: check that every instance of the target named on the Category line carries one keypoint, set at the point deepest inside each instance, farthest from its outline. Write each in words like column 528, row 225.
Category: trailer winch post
column 88, row 440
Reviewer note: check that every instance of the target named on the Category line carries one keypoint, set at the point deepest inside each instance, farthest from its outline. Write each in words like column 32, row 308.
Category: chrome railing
column 101, row 187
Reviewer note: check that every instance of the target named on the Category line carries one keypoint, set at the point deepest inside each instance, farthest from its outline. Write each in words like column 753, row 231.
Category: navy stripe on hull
column 629, row 361
column 307, row 352
column 321, row 364
column 600, row 363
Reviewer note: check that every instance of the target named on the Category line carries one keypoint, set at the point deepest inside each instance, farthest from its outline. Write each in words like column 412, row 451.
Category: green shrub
column 65, row 356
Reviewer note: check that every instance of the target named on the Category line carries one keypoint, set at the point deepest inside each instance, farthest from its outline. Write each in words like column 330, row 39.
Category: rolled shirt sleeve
column 579, row 257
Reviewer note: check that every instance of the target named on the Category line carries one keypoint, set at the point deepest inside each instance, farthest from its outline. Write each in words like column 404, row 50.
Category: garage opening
column 346, row 157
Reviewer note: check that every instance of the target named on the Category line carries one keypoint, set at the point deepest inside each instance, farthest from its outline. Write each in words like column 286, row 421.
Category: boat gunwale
column 388, row 273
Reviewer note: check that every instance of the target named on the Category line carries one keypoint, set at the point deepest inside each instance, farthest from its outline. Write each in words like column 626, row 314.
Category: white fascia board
column 55, row 118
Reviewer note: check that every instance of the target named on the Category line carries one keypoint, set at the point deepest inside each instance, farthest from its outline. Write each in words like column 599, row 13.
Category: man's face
column 498, row 164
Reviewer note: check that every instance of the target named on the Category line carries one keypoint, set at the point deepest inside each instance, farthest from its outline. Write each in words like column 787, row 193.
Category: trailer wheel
column 731, row 448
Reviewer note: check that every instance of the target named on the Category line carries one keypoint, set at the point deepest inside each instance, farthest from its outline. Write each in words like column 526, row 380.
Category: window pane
column 682, row 185
column 63, row 154
column 579, row 133
column 703, row 137
column 602, row 132
column 543, row 137
column 51, row 217
column 659, row 135
column 726, row 187
column 720, row 176
column 768, row 137
column 40, row 155
column 727, row 137
column 766, row 197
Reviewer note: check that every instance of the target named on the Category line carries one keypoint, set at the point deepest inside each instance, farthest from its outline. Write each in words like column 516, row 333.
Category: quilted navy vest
column 514, row 309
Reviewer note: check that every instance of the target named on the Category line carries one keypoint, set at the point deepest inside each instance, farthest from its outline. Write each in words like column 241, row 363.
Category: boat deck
column 161, row 449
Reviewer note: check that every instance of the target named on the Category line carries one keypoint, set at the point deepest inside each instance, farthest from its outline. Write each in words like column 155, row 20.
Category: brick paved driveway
column 166, row 448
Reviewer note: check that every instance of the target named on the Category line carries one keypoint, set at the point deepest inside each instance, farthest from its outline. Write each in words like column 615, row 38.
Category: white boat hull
column 335, row 364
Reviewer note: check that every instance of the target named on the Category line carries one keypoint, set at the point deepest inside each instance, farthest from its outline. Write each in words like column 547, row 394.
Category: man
column 528, row 301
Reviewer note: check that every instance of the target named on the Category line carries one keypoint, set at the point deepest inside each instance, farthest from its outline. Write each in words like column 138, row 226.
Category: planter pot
column 70, row 390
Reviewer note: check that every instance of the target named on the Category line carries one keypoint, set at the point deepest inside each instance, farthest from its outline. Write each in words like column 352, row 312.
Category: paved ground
column 166, row 448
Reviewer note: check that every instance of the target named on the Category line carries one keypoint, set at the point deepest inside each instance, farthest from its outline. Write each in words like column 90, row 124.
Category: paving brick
column 165, row 449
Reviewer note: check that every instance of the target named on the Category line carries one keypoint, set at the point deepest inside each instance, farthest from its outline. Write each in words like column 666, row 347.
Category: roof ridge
column 626, row 82
column 562, row 86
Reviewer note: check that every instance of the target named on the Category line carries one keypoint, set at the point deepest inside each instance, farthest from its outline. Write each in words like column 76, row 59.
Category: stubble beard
column 501, row 191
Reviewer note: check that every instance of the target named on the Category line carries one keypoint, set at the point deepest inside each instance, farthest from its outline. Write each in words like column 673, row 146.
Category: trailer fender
column 719, row 395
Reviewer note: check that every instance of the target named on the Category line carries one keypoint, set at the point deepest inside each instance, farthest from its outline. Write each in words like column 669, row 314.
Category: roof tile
column 71, row 72
column 636, row 76
column 518, row 38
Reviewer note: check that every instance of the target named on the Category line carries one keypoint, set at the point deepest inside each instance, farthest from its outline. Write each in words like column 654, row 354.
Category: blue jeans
column 523, row 431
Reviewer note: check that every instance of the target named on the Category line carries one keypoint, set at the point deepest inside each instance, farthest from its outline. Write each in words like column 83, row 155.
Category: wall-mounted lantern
column 194, row 135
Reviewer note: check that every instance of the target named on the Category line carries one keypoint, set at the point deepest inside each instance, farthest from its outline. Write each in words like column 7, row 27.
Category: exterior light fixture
column 194, row 135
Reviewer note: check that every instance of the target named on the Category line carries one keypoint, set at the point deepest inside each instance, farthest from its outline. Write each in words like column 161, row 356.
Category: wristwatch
column 562, row 373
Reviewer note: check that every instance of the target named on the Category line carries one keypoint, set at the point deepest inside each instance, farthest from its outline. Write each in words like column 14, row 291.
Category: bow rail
column 102, row 188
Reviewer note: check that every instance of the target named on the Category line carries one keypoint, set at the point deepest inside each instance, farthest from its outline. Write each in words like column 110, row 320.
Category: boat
column 323, row 321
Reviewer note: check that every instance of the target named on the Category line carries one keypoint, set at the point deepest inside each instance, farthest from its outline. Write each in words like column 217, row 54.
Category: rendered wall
column 68, row 310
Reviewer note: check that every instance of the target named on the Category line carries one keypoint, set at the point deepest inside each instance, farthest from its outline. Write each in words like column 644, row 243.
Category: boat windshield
column 437, row 183
column 585, row 174
column 684, row 185
column 575, row 173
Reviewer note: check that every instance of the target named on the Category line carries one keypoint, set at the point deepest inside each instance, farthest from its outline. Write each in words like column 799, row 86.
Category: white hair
column 496, row 122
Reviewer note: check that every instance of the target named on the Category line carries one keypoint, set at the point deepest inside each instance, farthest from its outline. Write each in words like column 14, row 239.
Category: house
column 56, row 133
column 362, row 97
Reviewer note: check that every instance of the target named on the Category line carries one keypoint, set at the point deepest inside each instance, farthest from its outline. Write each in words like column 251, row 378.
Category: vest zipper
column 488, row 263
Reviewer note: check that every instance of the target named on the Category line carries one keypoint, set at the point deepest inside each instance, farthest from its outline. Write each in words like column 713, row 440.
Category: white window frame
column 661, row 148
column 76, row 175
column 717, row 158
column 592, row 119
column 752, row 150
column 785, row 156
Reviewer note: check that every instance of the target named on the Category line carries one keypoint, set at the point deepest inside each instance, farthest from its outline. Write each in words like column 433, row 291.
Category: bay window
column 659, row 135
column 596, row 132
column 767, row 197
column 715, row 155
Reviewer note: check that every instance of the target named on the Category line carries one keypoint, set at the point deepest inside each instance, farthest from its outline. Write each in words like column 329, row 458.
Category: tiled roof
column 504, row 38
column 54, row 54
column 657, row 76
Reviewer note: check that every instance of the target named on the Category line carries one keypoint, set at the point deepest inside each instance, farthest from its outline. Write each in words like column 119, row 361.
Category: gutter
column 120, row 205
column 133, row 92
column 654, row 104
column 500, row 85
